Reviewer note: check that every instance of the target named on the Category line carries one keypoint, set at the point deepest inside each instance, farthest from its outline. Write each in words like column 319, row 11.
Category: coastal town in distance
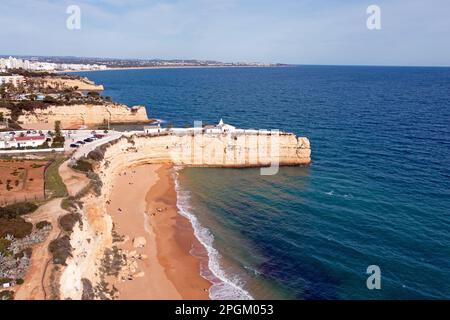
column 90, row 64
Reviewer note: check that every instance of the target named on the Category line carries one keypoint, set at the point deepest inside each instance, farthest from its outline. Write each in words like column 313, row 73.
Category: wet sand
column 143, row 205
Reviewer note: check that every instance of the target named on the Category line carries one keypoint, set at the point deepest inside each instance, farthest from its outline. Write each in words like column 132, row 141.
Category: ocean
column 376, row 193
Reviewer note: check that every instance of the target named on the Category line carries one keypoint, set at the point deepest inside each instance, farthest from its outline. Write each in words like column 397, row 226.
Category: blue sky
column 414, row 32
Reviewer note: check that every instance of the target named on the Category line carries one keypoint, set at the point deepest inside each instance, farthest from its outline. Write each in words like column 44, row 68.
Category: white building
column 21, row 142
column 221, row 127
column 152, row 129
column 225, row 127
column 15, row 80
column 14, row 63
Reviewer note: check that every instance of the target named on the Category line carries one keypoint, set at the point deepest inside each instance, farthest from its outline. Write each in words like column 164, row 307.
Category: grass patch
column 71, row 203
column 54, row 186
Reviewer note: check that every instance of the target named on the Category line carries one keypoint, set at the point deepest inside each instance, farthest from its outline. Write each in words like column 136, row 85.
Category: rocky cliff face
column 82, row 84
column 74, row 116
column 215, row 150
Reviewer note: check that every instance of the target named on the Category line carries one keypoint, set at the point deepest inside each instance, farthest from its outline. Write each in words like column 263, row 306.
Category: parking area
column 78, row 138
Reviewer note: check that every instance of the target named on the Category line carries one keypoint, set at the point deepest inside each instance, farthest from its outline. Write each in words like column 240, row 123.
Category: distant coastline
column 174, row 67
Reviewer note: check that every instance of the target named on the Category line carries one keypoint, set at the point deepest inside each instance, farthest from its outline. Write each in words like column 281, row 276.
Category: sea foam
column 224, row 286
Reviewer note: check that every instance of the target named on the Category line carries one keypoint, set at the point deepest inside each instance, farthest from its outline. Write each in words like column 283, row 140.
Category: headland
column 119, row 234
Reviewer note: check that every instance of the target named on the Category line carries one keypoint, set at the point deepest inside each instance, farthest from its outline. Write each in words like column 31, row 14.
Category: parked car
column 74, row 145
column 88, row 140
column 81, row 142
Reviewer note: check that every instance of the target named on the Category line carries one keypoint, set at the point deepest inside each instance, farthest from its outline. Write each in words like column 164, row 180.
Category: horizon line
column 213, row 60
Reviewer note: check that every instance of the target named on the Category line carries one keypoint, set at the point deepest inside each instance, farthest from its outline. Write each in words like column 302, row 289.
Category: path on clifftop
column 33, row 289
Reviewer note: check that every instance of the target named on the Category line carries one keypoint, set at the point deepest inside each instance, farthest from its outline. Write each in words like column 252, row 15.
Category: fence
column 3, row 152
column 4, row 201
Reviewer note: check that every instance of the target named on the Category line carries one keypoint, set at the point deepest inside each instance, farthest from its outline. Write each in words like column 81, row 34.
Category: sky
column 413, row 32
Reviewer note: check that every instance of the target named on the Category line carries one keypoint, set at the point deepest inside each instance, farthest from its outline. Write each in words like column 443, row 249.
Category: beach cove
column 156, row 239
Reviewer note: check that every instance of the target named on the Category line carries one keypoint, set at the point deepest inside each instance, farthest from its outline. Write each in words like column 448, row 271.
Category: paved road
column 84, row 149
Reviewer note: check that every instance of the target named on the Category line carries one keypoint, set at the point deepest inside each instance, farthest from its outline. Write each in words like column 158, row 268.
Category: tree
column 58, row 139
column 58, row 128
column 3, row 91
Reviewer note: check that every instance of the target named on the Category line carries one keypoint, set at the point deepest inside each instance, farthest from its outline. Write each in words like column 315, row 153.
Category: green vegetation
column 11, row 222
column 88, row 290
column 54, row 186
column 68, row 203
column 83, row 165
column 49, row 100
column 5, row 280
column 68, row 221
column 4, row 245
column 7, row 295
column 18, row 209
column 60, row 249
column 58, row 139
column 42, row 224
column 17, row 227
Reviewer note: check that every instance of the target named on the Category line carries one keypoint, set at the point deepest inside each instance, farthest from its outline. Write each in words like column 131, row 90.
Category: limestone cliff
column 81, row 84
column 74, row 116
column 215, row 150
column 211, row 150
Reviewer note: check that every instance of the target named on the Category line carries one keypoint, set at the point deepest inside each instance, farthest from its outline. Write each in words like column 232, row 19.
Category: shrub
column 49, row 99
column 88, row 290
column 83, row 165
column 5, row 280
column 17, row 227
column 68, row 203
column 60, row 249
column 7, row 295
column 24, row 253
column 4, row 245
column 96, row 155
column 17, row 209
column 42, row 224
column 68, row 221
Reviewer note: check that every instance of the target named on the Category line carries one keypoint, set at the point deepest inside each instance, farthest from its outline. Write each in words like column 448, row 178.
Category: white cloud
column 413, row 32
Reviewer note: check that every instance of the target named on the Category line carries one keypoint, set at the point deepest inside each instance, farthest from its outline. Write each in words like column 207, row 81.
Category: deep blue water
column 377, row 192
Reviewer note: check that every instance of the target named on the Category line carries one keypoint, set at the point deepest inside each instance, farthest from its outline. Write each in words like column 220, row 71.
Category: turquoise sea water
column 377, row 192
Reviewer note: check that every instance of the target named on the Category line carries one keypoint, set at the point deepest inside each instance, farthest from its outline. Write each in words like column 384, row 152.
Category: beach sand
column 142, row 205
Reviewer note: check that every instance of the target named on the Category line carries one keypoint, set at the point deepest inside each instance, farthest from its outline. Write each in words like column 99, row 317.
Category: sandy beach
column 155, row 238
